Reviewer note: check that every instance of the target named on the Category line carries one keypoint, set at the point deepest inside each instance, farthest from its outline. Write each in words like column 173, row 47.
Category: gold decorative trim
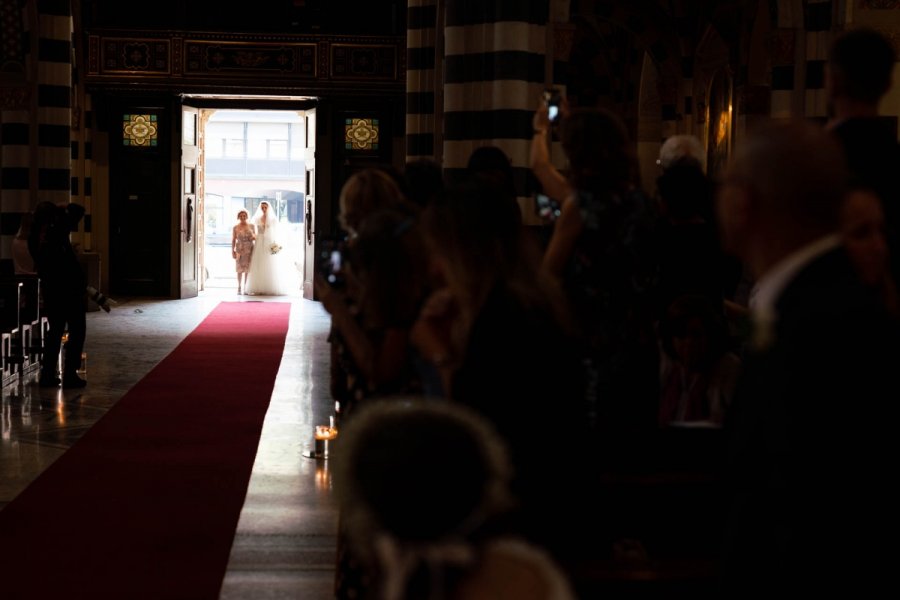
column 308, row 60
column 209, row 58
column 134, row 52
column 177, row 56
column 352, row 61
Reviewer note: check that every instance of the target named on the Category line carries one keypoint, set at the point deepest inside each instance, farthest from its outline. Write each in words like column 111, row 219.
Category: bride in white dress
column 267, row 273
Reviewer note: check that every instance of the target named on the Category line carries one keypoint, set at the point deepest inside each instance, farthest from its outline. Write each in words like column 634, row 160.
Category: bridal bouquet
column 275, row 248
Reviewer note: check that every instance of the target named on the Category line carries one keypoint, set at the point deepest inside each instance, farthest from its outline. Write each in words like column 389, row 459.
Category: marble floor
column 285, row 540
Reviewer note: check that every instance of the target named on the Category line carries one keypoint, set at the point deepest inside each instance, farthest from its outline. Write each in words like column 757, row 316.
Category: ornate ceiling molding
column 198, row 61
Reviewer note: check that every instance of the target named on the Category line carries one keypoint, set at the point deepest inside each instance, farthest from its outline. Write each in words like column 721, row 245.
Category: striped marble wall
column 15, row 116
column 495, row 69
column 421, row 68
column 802, row 33
column 36, row 141
column 82, row 168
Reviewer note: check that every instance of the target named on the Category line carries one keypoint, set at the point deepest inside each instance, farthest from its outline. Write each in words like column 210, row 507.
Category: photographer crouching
column 63, row 286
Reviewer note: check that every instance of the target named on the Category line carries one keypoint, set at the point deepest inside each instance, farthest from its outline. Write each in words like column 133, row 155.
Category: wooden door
column 309, row 205
column 141, row 204
column 190, row 213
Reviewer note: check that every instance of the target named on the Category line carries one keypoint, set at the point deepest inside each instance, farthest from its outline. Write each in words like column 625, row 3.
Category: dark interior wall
column 347, row 161
column 373, row 17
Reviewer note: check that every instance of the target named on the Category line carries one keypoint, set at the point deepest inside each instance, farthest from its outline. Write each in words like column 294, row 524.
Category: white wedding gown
column 268, row 272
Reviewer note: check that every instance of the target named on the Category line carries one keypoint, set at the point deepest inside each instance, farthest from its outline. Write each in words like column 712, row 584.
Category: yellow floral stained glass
column 361, row 134
column 139, row 130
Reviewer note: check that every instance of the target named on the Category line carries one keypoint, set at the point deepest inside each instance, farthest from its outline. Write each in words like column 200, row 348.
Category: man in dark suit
column 858, row 75
column 812, row 450
column 63, row 289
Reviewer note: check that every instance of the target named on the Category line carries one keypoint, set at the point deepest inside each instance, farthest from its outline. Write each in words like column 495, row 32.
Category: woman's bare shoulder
column 515, row 569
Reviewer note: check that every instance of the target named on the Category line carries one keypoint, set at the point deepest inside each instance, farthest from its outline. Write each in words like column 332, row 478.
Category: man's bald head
column 783, row 190
column 796, row 173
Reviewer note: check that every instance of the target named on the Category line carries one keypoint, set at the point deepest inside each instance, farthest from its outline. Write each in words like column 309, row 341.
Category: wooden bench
column 9, row 372
column 10, row 300
column 34, row 325
column 23, row 327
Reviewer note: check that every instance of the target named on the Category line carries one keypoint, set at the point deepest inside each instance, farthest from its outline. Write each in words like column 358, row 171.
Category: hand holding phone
column 552, row 99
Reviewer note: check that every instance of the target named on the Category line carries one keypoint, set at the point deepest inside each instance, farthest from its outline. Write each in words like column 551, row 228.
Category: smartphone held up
column 331, row 261
column 552, row 99
column 546, row 207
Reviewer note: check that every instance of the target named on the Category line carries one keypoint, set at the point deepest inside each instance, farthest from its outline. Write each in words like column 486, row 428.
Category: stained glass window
column 361, row 134
column 139, row 130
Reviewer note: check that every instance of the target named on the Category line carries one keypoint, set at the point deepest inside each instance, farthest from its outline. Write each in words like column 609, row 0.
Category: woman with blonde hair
column 365, row 192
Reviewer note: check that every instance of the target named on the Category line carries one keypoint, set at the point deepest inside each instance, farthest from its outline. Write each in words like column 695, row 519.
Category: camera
column 98, row 297
column 546, row 207
column 331, row 261
column 552, row 99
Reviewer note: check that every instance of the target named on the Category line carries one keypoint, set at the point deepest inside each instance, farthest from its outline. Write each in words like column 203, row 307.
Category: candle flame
column 325, row 432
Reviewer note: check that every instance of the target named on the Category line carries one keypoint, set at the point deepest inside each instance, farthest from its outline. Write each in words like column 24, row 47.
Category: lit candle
column 323, row 435
column 325, row 432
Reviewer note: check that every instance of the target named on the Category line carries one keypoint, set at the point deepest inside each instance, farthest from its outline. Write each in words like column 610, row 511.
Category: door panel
column 309, row 211
column 139, row 218
column 188, row 240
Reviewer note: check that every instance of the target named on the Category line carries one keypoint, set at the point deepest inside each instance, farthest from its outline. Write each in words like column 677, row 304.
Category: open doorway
column 251, row 156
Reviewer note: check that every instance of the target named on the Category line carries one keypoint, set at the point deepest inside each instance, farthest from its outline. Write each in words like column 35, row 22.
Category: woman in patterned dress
column 242, row 236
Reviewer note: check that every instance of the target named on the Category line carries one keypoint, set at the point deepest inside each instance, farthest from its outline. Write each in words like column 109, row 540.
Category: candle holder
column 322, row 438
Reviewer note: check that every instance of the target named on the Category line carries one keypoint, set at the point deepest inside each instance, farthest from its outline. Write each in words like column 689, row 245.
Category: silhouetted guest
column 691, row 257
column 682, row 149
column 812, row 431
column 424, row 180
column 365, row 193
column 369, row 190
column 508, row 351
column 374, row 315
column 492, row 163
column 865, row 236
column 604, row 252
column 858, row 75
column 63, row 289
column 697, row 370
column 419, row 485
column 23, row 263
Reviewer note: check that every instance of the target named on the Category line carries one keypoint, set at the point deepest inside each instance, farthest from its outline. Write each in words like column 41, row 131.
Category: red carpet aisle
column 146, row 503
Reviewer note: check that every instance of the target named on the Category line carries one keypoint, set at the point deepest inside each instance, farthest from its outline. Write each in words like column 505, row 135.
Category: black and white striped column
column 15, row 128
column 36, row 148
column 817, row 24
column 421, row 89
column 494, row 73
column 54, row 100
